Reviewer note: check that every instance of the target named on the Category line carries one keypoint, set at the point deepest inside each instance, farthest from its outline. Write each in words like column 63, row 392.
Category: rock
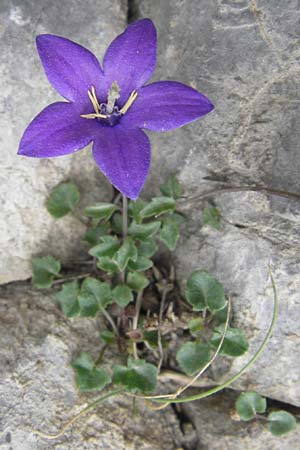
column 37, row 390
column 242, row 55
column 217, row 431
column 26, row 228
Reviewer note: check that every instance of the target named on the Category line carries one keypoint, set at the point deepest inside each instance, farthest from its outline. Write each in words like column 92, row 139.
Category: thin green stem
column 124, row 228
column 185, row 202
column 242, row 371
column 110, row 320
column 135, row 321
column 75, row 418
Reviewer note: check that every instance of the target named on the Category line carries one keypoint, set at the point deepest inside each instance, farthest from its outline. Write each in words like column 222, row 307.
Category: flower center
column 108, row 113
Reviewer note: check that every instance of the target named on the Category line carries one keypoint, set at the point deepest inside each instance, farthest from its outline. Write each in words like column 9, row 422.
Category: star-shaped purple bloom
column 109, row 106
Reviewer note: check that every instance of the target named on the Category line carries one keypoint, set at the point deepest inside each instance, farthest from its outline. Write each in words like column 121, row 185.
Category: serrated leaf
column 281, row 422
column 122, row 295
column 126, row 252
column 235, row 342
column 158, row 206
column 63, row 199
column 108, row 337
column 101, row 211
column 138, row 377
column 141, row 264
column 169, row 233
column 93, row 235
column 192, row 357
column 108, row 247
column 171, row 188
column 93, row 296
column 250, row 403
column 107, row 264
column 147, row 248
column 87, row 377
column 204, row 291
column 211, row 216
column 68, row 299
column 143, row 231
column 137, row 281
column 134, row 209
column 45, row 269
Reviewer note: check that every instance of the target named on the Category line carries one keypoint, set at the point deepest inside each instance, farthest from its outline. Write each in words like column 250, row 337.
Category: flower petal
column 70, row 68
column 57, row 130
column 166, row 105
column 131, row 58
column 124, row 157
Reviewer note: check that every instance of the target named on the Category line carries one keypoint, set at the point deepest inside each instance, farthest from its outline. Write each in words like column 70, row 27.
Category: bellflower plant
column 135, row 292
column 109, row 106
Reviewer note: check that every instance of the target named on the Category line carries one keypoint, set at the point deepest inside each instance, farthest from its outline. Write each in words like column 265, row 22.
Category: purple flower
column 109, row 106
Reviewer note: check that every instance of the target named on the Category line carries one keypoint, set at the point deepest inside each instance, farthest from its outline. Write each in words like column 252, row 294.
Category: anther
column 129, row 102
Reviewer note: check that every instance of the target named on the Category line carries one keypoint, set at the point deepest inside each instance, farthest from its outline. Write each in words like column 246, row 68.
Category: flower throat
column 108, row 113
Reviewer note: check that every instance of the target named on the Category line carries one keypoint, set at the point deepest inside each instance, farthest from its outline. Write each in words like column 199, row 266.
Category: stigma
column 108, row 113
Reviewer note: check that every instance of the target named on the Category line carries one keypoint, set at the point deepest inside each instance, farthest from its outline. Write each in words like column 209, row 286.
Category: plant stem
column 185, row 202
column 138, row 305
column 75, row 277
column 82, row 412
column 124, row 216
column 110, row 320
column 124, row 228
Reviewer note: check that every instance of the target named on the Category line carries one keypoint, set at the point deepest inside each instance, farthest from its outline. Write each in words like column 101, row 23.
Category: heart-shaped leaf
column 204, row 291
column 63, row 199
column 250, row 403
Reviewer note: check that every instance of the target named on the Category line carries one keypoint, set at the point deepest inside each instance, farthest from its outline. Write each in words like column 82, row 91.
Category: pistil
column 113, row 95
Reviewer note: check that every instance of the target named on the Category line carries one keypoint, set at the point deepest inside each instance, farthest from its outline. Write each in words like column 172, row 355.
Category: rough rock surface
column 217, row 431
column 25, row 226
column 37, row 388
column 244, row 56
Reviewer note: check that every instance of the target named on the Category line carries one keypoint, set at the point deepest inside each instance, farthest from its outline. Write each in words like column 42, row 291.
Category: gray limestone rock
column 244, row 56
column 217, row 431
column 37, row 390
column 26, row 228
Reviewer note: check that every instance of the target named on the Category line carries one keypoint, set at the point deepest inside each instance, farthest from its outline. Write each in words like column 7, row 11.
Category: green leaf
column 44, row 269
column 143, row 231
column 157, row 206
column 140, row 265
column 204, row 291
column 63, row 199
column 192, row 357
column 221, row 314
column 93, row 296
column 250, row 403
column 108, row 337
column 116, row 223
column 122, row 295
column 235, row 342
column 101, row 211
column 87, row 377
column 169, row 233
column 171, row 188
column 93, row 235
column 137, row 281
column 281, row 422
column 107, row 264
column 138, row 377
column 108, row 247
column 147, row 248
column 68, row 299
column 211, row 216
column 196, row 326
column 126, row 252
column 134, row 209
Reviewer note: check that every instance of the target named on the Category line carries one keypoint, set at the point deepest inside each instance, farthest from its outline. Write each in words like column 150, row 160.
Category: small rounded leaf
column 63, row 199
column 68, row 299
column 101, row 211
column 158, row 206
column 281, row 422
column 138, row 377
column 87, row 377
column 137, row 281
column 192, row 357
column 235, row 342
column 250, row 403
column 44, row 269
column 171, row 188
column 122, row 295
column 204, row 291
